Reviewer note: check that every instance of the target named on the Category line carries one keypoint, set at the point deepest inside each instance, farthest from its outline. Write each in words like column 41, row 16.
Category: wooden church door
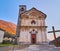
column 33, row 38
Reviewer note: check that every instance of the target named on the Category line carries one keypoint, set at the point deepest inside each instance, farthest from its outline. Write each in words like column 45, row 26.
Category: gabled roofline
column 38, row 11
column 35, row 9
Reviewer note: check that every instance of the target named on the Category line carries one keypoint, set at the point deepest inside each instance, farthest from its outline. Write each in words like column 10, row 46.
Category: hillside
column 8, row 26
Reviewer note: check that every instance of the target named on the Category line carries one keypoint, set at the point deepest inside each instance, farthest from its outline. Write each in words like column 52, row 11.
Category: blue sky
column 9, row 11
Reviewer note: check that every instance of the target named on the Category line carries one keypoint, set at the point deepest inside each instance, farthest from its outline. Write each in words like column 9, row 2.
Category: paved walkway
column 39, row 48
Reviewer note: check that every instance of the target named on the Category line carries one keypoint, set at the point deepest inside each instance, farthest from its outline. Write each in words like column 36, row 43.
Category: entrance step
column 40, row 48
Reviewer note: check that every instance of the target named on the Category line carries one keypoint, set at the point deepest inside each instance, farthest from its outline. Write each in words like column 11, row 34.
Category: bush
column 6, row 42
column 6, row 34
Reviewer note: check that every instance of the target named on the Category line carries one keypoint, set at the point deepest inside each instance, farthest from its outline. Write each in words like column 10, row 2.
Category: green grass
column 1, row 45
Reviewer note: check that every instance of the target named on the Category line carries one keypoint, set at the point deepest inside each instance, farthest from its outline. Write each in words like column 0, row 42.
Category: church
column 31, row 28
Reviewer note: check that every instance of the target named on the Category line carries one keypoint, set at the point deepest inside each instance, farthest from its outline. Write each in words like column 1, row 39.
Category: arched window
column 33, row 22
column 22, row 9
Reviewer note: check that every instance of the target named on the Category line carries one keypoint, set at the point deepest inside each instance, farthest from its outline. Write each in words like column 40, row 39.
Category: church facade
column 31, row 28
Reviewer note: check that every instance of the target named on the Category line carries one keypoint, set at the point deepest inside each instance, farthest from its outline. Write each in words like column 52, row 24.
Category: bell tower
column 22, row 8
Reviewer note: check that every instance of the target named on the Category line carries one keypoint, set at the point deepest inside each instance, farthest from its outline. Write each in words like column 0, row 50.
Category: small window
column 22, row 9
column 33, row 22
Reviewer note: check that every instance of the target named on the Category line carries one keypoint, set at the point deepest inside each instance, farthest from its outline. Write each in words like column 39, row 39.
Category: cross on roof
column 56, row 41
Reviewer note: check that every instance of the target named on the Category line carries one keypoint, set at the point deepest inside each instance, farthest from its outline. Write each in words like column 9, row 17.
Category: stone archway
column 33, row 33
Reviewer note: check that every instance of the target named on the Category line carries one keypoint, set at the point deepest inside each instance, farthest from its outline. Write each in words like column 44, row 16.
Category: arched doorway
column 33, row 38
column 33, row 33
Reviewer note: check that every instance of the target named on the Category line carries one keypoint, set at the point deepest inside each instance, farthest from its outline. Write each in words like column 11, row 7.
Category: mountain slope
column 8, row 26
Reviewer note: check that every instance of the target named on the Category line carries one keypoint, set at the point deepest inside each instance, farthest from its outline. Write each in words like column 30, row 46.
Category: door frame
column 34, row 38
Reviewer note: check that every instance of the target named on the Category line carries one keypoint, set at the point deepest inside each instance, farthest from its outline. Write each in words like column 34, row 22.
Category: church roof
column 34, row 9
column 2, row 29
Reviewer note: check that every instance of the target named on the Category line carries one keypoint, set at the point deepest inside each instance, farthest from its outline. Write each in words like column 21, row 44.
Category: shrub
column 6, row 42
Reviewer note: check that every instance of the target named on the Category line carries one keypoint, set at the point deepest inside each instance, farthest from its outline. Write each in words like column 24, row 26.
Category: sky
column 9, row 10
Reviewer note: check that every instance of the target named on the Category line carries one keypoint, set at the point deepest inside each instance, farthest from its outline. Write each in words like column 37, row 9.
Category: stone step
column 39, row 48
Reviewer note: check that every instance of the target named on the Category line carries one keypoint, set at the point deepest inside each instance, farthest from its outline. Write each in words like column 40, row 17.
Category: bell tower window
column 22, row 9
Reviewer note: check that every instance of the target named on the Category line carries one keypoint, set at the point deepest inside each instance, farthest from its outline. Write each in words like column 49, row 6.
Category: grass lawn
column 1, row 45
